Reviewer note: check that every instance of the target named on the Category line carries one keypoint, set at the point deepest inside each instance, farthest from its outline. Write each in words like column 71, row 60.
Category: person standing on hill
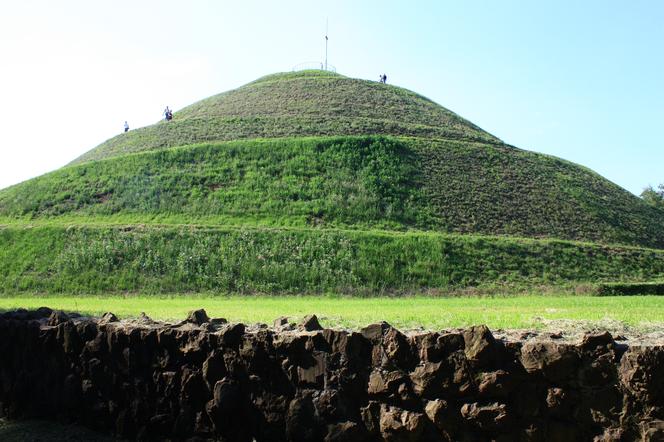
column 126, row 127
column 384, row 79
column 168, row 114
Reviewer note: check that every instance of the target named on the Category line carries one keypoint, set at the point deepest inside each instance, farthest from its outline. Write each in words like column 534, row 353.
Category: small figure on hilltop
column 126, row 127
column 384, row 79
column 168, row 114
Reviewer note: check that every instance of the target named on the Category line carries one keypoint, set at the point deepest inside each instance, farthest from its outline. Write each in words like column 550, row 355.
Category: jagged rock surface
column 205, row 379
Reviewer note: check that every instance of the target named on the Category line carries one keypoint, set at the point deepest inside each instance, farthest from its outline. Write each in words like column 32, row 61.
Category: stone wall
column 206, row 379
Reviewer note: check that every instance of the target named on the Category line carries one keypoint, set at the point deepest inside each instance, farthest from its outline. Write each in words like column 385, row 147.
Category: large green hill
column 311, row 181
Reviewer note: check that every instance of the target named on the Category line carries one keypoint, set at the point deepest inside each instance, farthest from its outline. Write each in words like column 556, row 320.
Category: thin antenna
column 326, row 28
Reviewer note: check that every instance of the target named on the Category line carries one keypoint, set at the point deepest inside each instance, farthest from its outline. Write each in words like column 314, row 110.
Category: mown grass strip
column 410, row 312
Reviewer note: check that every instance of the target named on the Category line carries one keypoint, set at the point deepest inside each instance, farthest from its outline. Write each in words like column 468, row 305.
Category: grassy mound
column 346, row 182
column 328, row 184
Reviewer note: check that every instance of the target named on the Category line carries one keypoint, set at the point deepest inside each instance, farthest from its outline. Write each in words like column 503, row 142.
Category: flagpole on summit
column 326, row 39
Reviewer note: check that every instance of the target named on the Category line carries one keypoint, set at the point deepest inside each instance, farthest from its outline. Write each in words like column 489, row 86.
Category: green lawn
column 404, row 312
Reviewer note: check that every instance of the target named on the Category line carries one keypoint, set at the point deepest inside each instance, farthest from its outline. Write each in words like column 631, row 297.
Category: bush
column 654, row 197
column 631, row 289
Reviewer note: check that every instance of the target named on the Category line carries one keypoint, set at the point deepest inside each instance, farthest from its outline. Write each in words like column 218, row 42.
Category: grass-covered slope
column 313, row 182
column 347, row 182
column 170, row 259
column 310, row 103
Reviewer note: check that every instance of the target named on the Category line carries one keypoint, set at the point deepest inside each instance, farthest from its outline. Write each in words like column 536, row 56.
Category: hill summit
column 299, row 104
column 313, row 181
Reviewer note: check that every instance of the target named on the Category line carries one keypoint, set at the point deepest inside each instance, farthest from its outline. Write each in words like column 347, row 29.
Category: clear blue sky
column 580, row 80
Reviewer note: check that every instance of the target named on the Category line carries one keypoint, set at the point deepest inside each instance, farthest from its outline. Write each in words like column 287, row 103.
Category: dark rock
column 611, row 435
column 214, row 368
column 345, row 432
column 554, row 361
column 480, row 345
column 329, row 405
column 194, row 388
column 600, row 370
column 159, row 426
column 374, row 332
column 498, row 383
column 641, row 372
column 108, row 318
column 310, row 323
column 228, row 411
column 401, row 425
column 492, row 416
column 371, row 417
column 559, row 402
column 302, row 423
column 280, row 322
column 434, row 347
column 314, row 374
column 57, row 317
column 652, row 431
column 383, row 382
column 591, row 341
column 391, row 348
column 438, row 411
column 427, row 379
column 42, row 312
column 231, row 335
column 218, row 321
column 144, row 319
column 562, row 432
column 198, row 317
column 67, row 333
column 533, row 433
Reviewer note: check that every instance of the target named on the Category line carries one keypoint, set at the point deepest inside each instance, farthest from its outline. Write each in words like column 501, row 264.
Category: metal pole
column 326, row 26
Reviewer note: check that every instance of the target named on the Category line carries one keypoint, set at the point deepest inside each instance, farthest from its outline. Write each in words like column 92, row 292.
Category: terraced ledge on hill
column 150, row 259
column 347, row 182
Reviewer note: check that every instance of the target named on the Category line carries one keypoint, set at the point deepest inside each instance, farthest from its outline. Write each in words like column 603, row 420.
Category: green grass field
column 533, row 312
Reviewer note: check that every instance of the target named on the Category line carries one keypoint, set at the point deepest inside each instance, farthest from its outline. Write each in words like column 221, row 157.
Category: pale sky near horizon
column 579, row 80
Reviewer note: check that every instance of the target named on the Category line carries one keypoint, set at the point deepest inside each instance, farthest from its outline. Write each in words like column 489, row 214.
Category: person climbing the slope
column 168, row 114
column 126, row 127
